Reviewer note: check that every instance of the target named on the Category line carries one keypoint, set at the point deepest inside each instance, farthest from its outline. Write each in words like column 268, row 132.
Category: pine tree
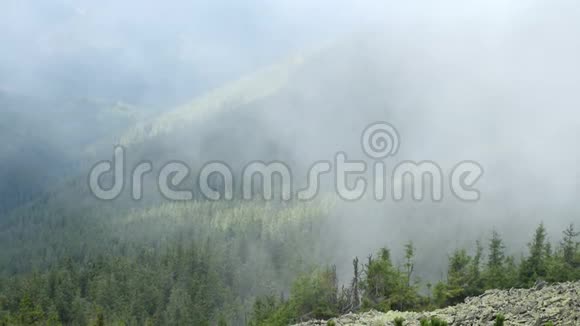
column 316, row 295
column 100, row 319
column 458, row 280
column 475, row 280
column 495, row 274
column 534, row 267
column 496, row 251
column 511, row 277
column 28, row 312
column 569, row 245
column 178, row 311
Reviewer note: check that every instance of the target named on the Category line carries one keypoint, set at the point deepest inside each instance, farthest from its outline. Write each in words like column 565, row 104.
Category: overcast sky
column 138, row 50
column 165, row 52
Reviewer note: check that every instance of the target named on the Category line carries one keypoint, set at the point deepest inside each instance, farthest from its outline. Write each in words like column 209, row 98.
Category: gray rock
column 558, row 303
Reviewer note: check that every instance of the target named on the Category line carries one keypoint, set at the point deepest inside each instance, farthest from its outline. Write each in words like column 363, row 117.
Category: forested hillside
column 494, row 86
column 50, row 138
column 72, row 259
column 177, row 264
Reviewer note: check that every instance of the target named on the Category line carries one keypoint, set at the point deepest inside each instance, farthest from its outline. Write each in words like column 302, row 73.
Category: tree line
column 198, row 263
column 225, row 263
column 378, row 284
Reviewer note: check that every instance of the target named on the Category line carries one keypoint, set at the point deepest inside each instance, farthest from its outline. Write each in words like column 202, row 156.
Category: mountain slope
column 45, row 140
column 557, row 303
column 301, row 111
column 236, row 94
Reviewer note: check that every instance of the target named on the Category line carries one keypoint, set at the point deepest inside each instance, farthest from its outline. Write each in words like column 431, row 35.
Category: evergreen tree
column 495, row 275
column 315, row 296
column 179, row 308
column 458, row 280
column 511, row 278
column 475, row 280
column 534, row 267
column 496, row 251
column 28, row 312
column 570, row 246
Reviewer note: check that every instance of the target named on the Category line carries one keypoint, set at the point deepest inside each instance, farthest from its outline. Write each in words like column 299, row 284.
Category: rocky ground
column 558, row 303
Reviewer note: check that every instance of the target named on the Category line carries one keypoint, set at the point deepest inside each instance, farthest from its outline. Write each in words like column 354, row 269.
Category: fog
column 496, row 82
column 162, row 53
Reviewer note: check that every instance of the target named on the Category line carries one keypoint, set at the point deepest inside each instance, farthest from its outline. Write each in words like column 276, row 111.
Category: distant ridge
column 243, row 91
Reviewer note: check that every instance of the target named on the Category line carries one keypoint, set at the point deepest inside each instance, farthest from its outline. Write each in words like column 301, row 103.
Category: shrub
column 437, row 322
column 399, row 321
column 499, row 320
column 433, row 322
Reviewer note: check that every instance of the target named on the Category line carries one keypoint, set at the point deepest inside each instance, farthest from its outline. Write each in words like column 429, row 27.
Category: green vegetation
column 42, row 149
column 383, row 286
column 256, row 86
column 212, row 261
column 399, row 321
column 434, row 321
column 226, row 263
column 499, row 320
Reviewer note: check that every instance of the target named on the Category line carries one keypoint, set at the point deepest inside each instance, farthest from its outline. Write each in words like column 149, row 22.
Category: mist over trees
column 228, row 279
column 294, row 82
column 383, row 286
